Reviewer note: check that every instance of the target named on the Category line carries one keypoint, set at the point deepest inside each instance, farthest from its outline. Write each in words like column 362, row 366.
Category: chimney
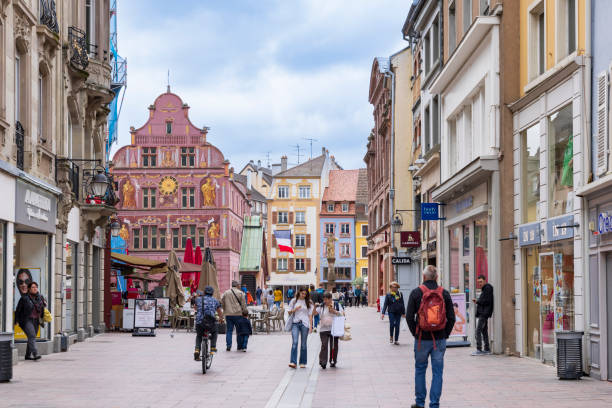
column 283, row 163
column 249, row 178
column 226, row 168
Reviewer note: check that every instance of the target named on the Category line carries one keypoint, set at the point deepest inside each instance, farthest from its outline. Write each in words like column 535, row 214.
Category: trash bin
column 64, row 342
column 569, row 355
column 6, row 357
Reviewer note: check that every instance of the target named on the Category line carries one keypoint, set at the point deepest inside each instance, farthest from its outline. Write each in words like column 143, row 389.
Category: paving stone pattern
column 117, row 370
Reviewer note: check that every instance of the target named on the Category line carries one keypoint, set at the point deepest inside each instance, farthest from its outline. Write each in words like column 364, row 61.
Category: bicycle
column 205, row 355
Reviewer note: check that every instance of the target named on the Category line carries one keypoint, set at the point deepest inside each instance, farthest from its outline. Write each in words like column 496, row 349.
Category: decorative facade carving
column 67, row 199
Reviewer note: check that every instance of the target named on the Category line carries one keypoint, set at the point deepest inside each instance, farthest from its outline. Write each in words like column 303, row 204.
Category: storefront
column 550, row 295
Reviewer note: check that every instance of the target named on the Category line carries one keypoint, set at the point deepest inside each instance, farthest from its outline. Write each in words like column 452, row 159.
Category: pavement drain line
column 307, row 393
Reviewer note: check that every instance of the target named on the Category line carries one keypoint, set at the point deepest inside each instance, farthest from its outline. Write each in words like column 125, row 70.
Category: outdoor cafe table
column 256, row 313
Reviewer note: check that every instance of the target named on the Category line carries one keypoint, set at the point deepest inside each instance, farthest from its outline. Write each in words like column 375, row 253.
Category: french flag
column 283, row 240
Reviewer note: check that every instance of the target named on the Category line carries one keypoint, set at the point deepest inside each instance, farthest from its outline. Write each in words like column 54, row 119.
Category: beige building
column 54, row 89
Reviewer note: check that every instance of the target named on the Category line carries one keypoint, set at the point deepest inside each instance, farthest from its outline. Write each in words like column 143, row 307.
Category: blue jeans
column 242, row 340
column 421, row 357
column 316, row 321
column 296, row 330
column 231, row 321
column 394, row 325
column 277, row 303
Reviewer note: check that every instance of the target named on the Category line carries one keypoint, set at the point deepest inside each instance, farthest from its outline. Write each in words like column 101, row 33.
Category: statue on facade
column 168, row 161
column 330, row 247
column 129, row 195
column 213, row 230
column 123, row 233
column 209, row 192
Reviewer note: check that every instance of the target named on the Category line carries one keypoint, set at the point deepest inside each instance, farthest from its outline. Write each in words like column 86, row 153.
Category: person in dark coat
column 394, row 304
column 243, row 330
column 431, row 343
column 29, row 312
column 484, row 311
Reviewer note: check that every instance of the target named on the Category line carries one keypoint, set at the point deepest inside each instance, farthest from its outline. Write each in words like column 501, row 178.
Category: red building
column 174, row 185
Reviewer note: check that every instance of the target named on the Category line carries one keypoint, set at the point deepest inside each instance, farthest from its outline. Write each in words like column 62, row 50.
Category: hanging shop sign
column 410, row 239
column 39, row 207
column 401, row 260
column 560, row 228
column 430, row 211
column 529, row 234
column 604, row 223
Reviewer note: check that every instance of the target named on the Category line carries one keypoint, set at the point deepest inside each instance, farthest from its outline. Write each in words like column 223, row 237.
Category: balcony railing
column 78, row 47
column 48, row 16
column 20, row 144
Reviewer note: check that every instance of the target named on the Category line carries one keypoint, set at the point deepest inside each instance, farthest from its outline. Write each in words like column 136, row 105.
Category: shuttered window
column 602, row 138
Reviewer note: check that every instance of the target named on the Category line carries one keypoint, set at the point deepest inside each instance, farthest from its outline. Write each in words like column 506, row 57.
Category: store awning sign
column 529, row 234
column 38, row 208
column 430, row 211
column 560, row 228
column 410, row 239
column 604, row 223
column 401, row 260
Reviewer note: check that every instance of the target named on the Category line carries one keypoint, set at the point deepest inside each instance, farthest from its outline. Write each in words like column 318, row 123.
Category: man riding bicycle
column 206, row 307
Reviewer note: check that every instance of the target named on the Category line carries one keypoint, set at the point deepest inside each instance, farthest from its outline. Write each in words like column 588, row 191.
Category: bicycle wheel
column 204, row 355
column 209, row 360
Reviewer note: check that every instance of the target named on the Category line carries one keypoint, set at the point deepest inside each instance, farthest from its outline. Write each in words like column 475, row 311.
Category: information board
column 144, row 313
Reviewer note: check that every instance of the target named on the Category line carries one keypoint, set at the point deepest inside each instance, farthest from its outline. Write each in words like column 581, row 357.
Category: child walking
column 244, row 331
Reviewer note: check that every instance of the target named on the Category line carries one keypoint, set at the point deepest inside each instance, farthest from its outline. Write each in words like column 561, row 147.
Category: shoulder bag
column 289, row 323
column 338, row 324
column 243, row 307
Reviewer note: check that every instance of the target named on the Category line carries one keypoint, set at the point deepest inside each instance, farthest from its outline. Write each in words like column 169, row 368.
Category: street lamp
column 99, row 184
column 115, row 227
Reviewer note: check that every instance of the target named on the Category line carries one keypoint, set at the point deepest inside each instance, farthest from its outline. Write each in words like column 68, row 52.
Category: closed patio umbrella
column 209, row 274
column 176, row 293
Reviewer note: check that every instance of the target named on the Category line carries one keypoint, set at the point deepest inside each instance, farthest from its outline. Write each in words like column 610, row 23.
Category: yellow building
column 294, row 204
column 361, row 227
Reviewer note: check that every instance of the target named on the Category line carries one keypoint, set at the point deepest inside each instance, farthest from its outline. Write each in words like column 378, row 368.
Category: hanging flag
column 283, row 240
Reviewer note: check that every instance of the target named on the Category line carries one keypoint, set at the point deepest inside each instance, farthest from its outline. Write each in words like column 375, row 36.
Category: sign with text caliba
column 410, row 239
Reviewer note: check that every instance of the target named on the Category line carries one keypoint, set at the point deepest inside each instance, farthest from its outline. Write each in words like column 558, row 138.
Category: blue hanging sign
column 430, row 211
column 560, row 228
column 529, row 234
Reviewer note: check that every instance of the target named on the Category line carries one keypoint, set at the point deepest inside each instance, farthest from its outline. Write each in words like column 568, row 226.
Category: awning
column 137, row 261
column 190, row 267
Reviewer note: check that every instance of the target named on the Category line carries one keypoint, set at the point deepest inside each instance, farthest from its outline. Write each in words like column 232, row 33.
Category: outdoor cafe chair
column 264, row 320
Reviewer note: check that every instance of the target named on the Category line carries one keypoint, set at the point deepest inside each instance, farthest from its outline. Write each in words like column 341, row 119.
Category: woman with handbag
column 327, row 312
column 30, row 310
column 301, row 311
column 394, row 303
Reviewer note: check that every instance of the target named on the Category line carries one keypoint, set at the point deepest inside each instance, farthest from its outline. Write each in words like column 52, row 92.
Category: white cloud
column 264, row 76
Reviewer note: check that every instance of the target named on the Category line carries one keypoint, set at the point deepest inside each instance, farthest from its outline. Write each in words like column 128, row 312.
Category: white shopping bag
column 338, row 326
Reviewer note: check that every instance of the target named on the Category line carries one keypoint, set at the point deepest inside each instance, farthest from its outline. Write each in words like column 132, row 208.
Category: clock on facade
column 168, row 185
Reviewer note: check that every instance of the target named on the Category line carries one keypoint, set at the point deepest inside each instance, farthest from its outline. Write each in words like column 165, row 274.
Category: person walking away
column 484, row 311
column 358, row 296
column 301, row 310
column 351, row 296
column 30, row 310
column 278, row 297
column 317, row 299
column 243, row 331
column 270, row 298
column 258, row 293
column 394, row 303
column 327, row 311
column 430, row 317
column 335, row 295
column 206, row 307
column 234, row 304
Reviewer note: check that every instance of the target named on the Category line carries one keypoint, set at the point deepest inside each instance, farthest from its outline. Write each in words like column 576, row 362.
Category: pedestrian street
column 118, row 370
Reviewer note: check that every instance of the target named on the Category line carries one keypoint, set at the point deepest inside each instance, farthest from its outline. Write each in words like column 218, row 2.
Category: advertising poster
column 144, row 313
column 460, row 327
column 162, row 303
column 537, row 290
column 23, row 277
column 558, row 283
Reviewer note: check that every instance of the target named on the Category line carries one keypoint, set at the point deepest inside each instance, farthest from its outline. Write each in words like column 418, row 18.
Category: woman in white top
column 301, row 310
column 327, row 311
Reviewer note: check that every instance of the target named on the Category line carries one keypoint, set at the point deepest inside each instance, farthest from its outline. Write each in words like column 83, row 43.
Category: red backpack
column 432, row 312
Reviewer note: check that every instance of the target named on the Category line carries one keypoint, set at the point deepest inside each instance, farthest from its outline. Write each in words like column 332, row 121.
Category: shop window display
column 561, row 167
column 532, row 302
column 530, row 139
column 481, row 248
column 455, row 234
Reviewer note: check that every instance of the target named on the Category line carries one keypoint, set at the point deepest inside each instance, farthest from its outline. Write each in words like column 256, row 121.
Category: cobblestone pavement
column 117, row 370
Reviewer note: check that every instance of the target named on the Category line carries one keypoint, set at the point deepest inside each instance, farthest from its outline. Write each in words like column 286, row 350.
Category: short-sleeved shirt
column 303, row 314
column 206, row 306
column 278, row 295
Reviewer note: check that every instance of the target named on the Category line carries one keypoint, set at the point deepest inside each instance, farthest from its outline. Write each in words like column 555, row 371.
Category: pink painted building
column 174, row 185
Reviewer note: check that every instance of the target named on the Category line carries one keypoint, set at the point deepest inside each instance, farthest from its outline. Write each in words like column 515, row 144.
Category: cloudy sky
column 263, row 74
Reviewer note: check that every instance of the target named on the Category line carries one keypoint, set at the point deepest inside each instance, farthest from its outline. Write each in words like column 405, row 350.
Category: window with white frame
column 453, row 147
column 537, row 41
column 435, row 125
column 300, row 240
column 345, row 207
column 330, row 207
column 364, row 230
column 300, row 217
column 330, row 228
column 364, row 251
column 345, row 229
column 345, row 249
column 426, row 126
column 283, row 217
column 281, row 264
column 300, row 264
column 566, row 28
column 427, row 52
column 304, row 191
column 364, row 272
column 283, row 191
column 431, row 46
column 452, row 27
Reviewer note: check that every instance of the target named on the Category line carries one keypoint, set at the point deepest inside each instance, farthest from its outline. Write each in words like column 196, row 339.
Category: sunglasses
column 23, row 282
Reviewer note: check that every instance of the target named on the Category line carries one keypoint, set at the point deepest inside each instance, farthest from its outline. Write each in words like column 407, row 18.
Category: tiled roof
column 252, row 244
column 311, row 168
column 257, row 196
column 342, row 185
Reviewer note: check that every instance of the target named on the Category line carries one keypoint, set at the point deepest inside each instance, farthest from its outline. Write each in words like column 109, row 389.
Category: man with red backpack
column 430, row 318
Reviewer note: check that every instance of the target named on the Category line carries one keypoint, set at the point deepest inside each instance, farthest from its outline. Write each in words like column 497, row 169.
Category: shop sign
column 529, row 234
column 560, row 228
column 401, row 260
column 39, row 207
column 464, row 204
column 144, row 313
column 410, row 239
column 604, row 223
column 430, row 211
